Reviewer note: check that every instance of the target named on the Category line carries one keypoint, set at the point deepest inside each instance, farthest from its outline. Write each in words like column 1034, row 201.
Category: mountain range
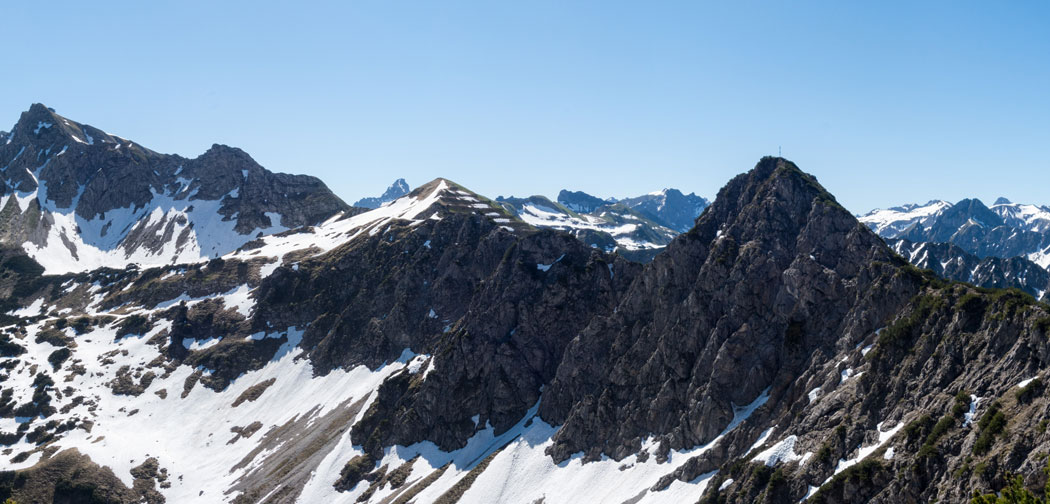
column 637, row 228
column 1005, row 245
column 443, row 348
column 77, row 198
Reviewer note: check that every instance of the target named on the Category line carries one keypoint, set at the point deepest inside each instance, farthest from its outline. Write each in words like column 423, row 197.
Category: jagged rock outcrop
column 581, row 202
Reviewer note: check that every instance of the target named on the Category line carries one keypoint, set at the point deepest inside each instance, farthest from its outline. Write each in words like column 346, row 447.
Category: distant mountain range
column 1004, row 245
column 637, row 227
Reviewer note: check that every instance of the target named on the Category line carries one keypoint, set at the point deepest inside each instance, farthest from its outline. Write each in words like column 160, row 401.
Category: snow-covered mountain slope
column 114, row 393
column 1003, row 230
column 1023, row 216
column 431, row 201
column 396, row 190
column 894, row 220
column 612, row 227
column 77, row 198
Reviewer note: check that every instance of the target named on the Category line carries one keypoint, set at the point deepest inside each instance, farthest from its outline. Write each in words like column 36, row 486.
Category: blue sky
column 884, row 102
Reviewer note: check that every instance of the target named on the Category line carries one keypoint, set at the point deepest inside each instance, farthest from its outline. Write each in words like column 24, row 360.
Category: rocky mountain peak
column 39, row 122
column 42, row 128
column 669, row 207
column 441, row 198
column 776, row 197
column 766, row 277
column 226, row 151
column 396, row 190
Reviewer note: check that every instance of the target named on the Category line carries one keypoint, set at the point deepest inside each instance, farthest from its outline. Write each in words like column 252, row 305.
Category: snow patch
column 1024, row 383
column 969, row 415
column 782, row 451
column 547, row 267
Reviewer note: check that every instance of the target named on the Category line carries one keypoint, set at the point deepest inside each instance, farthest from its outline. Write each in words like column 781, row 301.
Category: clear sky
column 884, row 102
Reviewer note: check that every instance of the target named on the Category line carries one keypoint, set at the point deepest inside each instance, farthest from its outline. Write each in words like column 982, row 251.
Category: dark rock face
column 396, row 190
column 69, row 477
column 773, row 271
column 493, row 309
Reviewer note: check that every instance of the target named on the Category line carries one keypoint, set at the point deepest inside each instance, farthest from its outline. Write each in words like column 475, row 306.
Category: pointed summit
column 773, row 200
column 41, row 126
column 450, row 197
column 396, row 190
column 764, row 279
column 39, row 113
column 38, row 122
